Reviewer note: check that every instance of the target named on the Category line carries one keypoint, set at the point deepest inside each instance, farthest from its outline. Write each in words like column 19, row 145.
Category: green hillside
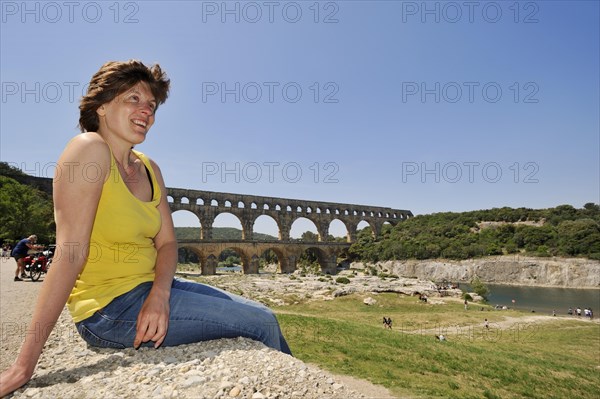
column 560, row 231
column 219, row 233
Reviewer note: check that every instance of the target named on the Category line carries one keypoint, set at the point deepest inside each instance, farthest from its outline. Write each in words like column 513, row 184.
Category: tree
column 309, row 236
column 479, row 288
column 579, row 237
column 24, row 210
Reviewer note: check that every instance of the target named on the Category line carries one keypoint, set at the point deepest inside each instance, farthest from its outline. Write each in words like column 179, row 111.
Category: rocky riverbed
column 277, row 289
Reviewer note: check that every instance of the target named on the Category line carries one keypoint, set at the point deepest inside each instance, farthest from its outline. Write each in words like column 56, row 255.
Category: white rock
column 235, row 391
column 194, row 380
column 225, row 385
column 171, row 360
column 369, row 301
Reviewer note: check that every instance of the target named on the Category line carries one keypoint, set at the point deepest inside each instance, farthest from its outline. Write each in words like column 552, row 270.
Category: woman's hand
column 14, row 378
column 153, row 320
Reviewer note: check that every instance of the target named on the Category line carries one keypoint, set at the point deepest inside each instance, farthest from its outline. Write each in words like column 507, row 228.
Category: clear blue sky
column 428, row 106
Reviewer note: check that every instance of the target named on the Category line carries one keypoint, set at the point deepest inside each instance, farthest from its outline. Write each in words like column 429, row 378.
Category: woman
column 116, row 248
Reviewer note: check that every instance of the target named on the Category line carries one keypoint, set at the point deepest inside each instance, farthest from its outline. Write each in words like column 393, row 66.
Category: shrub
column 480, row 288
column 342, row 280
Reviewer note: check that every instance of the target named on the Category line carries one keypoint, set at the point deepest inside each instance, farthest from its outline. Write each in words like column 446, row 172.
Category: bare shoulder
column 86, row 151
column 87, row 145
column 92, row 140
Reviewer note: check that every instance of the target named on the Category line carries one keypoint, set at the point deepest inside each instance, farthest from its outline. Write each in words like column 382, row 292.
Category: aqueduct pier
column 207, row 205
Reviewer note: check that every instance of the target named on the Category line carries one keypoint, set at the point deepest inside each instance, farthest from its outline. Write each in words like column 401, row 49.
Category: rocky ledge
column 226, row 368
column 507, row 269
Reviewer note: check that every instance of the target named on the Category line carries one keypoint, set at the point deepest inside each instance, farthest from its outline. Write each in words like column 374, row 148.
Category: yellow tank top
column 122, row 253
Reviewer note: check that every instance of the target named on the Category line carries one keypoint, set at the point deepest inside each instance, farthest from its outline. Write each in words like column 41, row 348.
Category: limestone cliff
column 507, row 269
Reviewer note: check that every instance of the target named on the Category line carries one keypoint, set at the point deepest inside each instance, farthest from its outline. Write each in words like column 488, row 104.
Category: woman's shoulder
column 88, row 139
column 88, row 142
column 86, row 149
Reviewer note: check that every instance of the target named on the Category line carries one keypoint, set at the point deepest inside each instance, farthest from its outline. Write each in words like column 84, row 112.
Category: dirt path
column 17, row 300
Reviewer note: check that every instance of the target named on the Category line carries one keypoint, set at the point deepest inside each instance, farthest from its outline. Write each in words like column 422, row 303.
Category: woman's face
column 130, row 115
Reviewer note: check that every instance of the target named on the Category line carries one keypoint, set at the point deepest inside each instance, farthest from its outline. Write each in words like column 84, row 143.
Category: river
column 543, row 299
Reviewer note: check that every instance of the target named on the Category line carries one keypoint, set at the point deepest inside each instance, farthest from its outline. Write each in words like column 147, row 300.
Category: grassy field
column 554, row 359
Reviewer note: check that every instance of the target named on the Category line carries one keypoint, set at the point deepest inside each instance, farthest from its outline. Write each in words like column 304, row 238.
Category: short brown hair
column 114, row 78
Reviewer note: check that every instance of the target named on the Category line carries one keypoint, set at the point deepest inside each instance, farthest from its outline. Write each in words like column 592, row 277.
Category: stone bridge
column 207, row 205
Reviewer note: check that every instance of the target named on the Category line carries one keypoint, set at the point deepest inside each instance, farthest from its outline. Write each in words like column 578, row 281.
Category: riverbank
column 506, row 269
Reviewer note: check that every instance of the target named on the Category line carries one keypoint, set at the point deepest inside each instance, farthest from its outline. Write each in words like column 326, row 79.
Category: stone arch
column 228, row 219
column 281, row 259
column 214, row 202
column 199, row 201
column 304, row 224
column 188, row 219
column 245, row 258
column 241, row 205
column 184, row 200
column 363, row 224
column 266, row 223
column 336, row 226
column 326, row 259
column 170, row 199
column 188, row 254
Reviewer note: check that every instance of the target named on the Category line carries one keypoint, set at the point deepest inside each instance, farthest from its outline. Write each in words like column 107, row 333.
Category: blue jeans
column 198, row 312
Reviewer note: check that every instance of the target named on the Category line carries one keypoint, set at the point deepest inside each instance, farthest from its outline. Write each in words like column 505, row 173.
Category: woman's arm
column 76, row 195
column 153, row 319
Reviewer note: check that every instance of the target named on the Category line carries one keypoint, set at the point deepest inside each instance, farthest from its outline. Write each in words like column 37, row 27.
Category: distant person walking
column 387, row 322
column 20, row 251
